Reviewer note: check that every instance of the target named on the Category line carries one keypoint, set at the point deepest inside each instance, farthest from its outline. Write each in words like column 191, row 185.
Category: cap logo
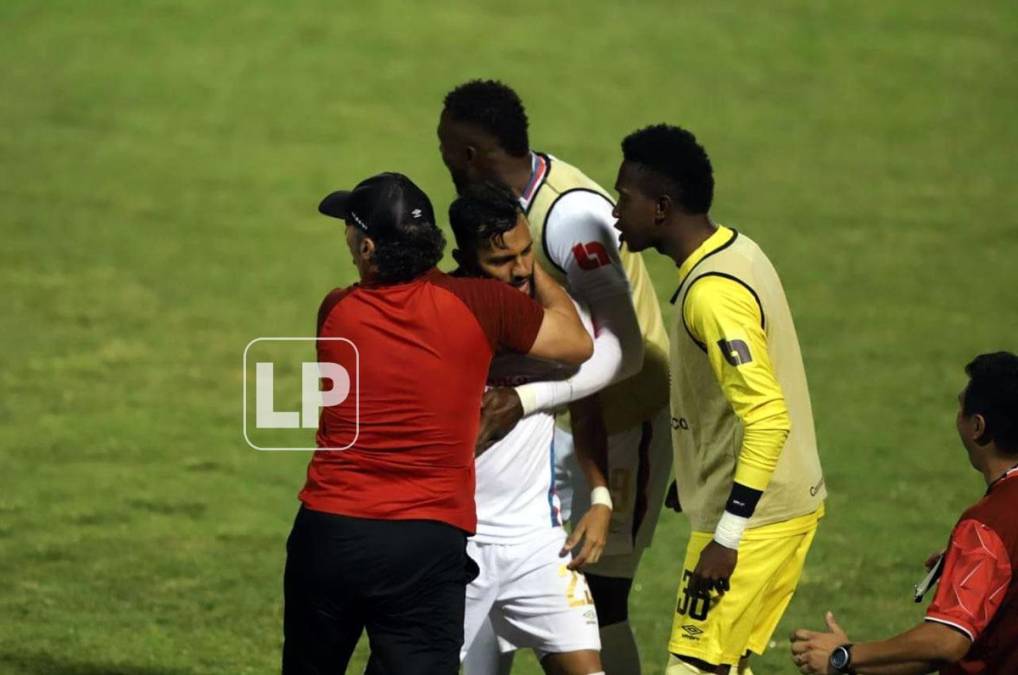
column 359, row 222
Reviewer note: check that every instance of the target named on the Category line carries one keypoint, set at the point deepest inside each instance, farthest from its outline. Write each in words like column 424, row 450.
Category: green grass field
column 161, row 164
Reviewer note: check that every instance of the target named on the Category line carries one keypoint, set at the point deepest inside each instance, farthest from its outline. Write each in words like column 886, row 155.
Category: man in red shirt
column 972, row 624
column 379, row 542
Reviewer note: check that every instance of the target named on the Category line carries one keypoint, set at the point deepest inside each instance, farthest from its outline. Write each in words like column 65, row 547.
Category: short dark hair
column 494, row 107
column 408, row 252
column 993, row 393
column 674, row 154
column 484, row 212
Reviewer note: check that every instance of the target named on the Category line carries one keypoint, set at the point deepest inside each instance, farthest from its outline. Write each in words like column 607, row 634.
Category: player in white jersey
column 528, row 586
column 483, row 136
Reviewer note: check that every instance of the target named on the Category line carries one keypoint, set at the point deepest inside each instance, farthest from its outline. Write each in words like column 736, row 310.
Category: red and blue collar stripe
column 538, row 170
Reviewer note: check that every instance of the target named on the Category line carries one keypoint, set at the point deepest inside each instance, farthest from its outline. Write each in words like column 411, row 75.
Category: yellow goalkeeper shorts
column 720, row 629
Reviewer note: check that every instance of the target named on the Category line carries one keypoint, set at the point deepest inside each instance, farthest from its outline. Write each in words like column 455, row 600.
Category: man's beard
column 528, row 281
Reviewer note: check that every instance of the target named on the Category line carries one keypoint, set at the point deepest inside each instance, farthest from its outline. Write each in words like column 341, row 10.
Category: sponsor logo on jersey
column 736, row 352
column 591, row 255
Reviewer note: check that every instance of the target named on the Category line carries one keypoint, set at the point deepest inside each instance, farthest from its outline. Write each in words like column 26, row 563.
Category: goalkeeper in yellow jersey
column 746, row 462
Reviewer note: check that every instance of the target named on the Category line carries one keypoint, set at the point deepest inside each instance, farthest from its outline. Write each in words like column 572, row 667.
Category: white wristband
column 544, row 395
column 528, row 398
column 601, row 495
column 729, row 531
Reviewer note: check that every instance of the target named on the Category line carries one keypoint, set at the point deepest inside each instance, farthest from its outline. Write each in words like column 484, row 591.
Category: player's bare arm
column 923, row 649
column 500, row 411
column 590, row 443
column 714, row 570
column 562, row 336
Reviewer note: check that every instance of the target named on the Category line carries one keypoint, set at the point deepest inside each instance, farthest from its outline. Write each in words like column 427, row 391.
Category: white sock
column 619, row 655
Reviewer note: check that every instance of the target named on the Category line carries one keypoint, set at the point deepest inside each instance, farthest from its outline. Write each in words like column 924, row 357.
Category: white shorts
column 639, row 471
column 532, row 600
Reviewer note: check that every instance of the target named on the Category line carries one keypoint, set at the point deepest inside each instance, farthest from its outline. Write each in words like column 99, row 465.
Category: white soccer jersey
column 515, row 487
column 515, row 492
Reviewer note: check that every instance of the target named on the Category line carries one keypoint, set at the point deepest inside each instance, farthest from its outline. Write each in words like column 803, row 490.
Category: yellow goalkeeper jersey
column 740, row 403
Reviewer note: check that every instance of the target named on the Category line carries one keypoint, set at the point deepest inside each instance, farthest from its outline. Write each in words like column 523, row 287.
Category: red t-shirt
column 424, row 351
column 978, row 592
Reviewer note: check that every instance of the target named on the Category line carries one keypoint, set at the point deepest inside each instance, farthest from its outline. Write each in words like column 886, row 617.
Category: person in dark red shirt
column 972, row 624
column 379, row 542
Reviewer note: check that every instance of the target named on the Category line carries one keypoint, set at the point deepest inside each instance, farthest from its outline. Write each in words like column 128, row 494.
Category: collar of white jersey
column 538, row 170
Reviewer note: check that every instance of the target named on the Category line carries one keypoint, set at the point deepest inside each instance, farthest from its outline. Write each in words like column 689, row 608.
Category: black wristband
column 743, row 500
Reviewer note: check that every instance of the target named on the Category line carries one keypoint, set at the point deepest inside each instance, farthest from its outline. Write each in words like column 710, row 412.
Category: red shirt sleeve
column 977, row 572
column 330, row 301
column 510, row 318
column 519, row 319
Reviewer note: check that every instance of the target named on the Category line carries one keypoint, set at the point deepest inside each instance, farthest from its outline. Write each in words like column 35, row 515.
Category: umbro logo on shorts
column 692, row 632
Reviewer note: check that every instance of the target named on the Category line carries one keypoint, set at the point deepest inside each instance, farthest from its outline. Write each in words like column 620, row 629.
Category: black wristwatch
column 841, row 659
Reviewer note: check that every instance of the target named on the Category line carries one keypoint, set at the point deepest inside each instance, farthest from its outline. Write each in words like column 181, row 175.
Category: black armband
column 743, row 500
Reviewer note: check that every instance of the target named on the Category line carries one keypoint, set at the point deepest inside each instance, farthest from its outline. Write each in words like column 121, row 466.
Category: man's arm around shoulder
column 562, row 336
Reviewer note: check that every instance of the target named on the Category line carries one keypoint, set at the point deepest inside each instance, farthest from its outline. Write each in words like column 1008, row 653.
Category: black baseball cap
column 379, row 204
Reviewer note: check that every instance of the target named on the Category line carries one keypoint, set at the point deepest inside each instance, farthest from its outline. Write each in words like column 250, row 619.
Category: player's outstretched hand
column 714, row 569
column 500, row 411
column 811, row 650
column 592, row 530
